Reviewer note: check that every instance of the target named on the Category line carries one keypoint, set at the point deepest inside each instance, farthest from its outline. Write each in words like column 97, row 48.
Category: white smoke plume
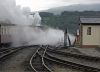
column 26, row 11
column 25, row 32
column 37, row 18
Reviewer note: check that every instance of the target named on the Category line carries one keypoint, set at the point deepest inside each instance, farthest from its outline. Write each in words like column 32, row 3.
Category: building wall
column 94, row 38
column 80, row 34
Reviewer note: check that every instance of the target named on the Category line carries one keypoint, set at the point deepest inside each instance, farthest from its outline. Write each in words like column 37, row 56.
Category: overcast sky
column 37, row 5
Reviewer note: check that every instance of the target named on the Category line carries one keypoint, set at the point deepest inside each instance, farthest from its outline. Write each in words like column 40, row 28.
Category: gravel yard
column 86, row 51
column 89, row 51
column 70, row 50
column 18, row 62
column 59, row 68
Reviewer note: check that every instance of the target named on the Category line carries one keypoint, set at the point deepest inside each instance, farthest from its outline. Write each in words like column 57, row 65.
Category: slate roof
column 88, row 20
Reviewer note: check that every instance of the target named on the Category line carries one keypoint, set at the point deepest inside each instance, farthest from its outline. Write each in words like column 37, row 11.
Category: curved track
column 73, row 65
column 37, row 61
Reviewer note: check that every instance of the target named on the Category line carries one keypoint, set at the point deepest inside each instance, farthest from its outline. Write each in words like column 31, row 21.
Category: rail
column 85, row 57
column 42, row 59
column 71, row 64
column 32, row 59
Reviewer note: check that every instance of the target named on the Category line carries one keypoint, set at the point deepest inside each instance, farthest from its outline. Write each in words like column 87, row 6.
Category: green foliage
column 67, row 19
column 46, row 14
column 77, row 43
column 46, row 18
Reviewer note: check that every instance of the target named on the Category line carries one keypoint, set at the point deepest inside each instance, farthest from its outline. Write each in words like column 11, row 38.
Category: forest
column 66, row 19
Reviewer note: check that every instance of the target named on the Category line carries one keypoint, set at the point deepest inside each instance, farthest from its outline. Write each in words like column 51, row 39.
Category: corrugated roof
column 90, row 19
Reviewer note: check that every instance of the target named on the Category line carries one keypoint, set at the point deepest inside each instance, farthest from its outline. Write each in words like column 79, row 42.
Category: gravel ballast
column 89, row 51
column 18, row 61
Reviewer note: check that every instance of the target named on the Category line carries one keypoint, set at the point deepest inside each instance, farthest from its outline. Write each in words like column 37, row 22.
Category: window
column 88, row 30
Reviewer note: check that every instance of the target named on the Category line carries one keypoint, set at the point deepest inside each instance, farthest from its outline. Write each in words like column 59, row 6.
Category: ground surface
column 59, row 68
column 18, row 62
column 89, row 51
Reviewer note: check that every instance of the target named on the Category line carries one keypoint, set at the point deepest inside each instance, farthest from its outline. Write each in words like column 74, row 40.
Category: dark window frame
column 88, row 30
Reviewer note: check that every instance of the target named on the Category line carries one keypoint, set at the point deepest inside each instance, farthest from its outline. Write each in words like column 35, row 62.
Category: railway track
column 70, row 64
column 73, row 64
column 7, row 51
column 38, row 65
column 18, row 61
column 37, row 61
column 78, row 56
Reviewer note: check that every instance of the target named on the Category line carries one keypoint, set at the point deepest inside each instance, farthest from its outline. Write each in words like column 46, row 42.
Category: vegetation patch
column 66, row 19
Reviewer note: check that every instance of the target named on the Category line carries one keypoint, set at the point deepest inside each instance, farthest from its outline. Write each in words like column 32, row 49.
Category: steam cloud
column 25, row 32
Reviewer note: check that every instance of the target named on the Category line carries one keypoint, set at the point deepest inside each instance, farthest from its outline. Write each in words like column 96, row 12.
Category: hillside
column 67, row 19
column 76, row 7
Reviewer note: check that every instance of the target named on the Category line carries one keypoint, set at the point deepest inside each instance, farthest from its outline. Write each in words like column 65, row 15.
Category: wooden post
column 65, row 38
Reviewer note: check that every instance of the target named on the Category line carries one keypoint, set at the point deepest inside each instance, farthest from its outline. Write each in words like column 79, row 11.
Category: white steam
column 26, row 31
